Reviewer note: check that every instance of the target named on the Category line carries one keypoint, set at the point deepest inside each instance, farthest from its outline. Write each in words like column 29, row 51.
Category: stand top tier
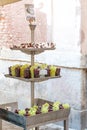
column 32, row 50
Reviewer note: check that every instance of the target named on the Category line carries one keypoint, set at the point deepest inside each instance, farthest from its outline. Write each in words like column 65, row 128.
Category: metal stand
column 66, row 124
column 32, row 28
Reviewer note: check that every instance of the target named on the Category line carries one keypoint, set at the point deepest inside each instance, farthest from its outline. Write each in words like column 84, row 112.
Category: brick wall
column 14, row 28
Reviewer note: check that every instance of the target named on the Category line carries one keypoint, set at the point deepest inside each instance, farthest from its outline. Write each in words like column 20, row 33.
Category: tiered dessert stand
column 39, row 119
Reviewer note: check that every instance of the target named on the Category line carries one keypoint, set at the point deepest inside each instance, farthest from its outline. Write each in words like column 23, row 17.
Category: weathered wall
column 65, row 26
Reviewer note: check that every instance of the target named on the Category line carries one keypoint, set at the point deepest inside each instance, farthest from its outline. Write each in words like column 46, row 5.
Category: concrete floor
column 9, row 126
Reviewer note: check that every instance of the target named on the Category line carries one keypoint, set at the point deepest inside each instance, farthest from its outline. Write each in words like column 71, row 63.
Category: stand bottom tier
column 37, row 120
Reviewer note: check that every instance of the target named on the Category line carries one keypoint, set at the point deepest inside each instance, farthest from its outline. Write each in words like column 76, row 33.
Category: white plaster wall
column 66, row 25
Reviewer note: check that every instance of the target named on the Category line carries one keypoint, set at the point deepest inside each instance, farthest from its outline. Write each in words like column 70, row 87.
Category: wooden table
column 37, row 120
